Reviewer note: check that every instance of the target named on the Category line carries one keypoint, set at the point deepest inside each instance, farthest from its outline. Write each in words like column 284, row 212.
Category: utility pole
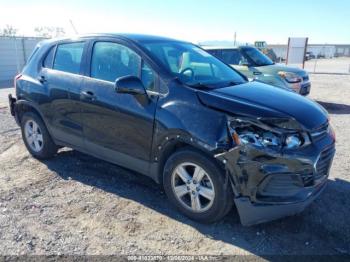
column 74, row 29
column 235, row 39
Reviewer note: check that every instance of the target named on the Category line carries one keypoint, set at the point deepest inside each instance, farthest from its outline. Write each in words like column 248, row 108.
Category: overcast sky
column 323, row 21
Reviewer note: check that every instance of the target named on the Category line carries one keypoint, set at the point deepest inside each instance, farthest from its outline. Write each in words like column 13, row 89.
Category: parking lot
column 76, row 204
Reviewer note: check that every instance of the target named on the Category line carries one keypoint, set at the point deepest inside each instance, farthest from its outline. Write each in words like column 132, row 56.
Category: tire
column 39, row 143
column 212, row 206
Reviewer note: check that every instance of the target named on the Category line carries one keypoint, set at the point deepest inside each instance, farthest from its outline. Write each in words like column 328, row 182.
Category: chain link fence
column 326, row 59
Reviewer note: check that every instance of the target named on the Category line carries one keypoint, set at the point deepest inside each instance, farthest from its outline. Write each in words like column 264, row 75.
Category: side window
column 110, row 61
column 147, row 77
column 232, row 57
column 49, row 58
column 68, row 57
column 216, row 53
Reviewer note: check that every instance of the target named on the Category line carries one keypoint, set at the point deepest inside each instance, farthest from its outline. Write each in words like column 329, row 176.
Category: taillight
column 16, row 78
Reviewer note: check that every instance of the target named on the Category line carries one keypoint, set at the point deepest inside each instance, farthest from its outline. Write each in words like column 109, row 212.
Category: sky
column 273, row 21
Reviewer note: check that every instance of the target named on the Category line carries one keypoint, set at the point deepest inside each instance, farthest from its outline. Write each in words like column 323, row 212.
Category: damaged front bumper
column 269, row 185
column 254, row 213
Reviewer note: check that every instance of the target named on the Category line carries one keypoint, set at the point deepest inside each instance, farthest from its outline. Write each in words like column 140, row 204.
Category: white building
column 326, row 50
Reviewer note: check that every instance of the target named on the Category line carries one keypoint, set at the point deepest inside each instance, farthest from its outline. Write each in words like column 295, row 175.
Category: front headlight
column 290, row 77
column 293, row 141
column 259, row 138
column 244, row 133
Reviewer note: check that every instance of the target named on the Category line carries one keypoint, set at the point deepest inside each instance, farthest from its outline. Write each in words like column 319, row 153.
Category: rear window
column 49, row 58
column 33, row 54
column 68, row 57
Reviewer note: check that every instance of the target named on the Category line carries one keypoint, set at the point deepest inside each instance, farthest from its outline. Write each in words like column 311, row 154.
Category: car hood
column 259, row 100
column 274, row 69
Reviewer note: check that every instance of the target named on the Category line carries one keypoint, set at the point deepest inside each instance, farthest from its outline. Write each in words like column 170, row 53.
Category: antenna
column 71, row 23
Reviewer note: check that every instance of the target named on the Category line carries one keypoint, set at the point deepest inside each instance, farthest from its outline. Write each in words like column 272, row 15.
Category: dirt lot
column 76, row 204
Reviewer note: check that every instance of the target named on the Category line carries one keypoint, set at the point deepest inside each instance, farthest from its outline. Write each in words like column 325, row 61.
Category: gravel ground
column 76, row 204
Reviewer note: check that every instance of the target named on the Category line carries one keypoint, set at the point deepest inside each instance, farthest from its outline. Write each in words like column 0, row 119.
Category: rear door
column 62, row 76
column 118, row 127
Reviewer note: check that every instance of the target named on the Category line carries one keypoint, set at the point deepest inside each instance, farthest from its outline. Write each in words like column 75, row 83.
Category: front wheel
column 197, row 186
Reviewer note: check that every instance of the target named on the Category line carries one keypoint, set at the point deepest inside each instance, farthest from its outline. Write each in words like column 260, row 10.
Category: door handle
column 42, row 79
column 88, row 95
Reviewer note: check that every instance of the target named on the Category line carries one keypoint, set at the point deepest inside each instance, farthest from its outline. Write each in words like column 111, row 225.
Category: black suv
column 170, row 110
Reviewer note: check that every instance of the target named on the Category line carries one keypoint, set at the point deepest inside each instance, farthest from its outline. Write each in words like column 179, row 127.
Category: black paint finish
column 139, row 131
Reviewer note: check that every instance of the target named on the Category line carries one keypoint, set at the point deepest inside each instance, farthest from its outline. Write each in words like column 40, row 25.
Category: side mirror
column 130, row 85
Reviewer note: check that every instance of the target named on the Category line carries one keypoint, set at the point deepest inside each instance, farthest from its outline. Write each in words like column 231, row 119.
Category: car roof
column 219, row 47
column 139, row 38
column 227, row 47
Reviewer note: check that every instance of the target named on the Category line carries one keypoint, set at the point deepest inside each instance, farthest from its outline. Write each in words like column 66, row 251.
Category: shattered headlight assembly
column 247, row 133
column 290, row 77
column 259, row 139
column 293, row 141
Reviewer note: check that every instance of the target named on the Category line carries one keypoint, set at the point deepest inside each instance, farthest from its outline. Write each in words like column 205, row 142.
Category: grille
column 320, row 132
column 324, row 162
column 279, row 185
column 308, row 179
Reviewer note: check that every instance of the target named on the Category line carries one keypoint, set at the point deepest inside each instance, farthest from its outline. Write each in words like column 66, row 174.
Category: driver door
column 117, row 127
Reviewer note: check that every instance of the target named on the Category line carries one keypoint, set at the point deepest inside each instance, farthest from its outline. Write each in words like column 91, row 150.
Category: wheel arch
column 167, row 149
column 23, row 106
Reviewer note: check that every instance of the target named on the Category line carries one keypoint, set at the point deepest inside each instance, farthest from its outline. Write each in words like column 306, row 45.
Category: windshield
column 192, row 65
column 256, row 58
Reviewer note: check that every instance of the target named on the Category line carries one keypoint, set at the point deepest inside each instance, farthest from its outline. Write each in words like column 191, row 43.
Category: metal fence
column 328, row 59
column 14, row 53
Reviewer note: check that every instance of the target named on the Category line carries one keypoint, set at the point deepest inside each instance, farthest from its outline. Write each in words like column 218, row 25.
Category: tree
column 9, row 30
column 49, row 32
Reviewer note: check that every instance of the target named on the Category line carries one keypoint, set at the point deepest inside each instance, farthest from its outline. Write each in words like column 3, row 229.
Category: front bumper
column 251, row 214
column 303, row 88
column 268, row 186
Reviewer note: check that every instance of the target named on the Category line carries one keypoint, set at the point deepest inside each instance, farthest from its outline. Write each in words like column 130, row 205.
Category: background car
column 309, row 56
column 257, row 66
column 263, row 47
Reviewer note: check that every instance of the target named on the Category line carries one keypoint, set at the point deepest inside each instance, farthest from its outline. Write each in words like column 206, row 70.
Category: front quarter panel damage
column 265, row 178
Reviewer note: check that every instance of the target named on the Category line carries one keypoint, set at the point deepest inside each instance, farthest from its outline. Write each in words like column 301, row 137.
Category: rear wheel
column 196, row 186
column 36, row 137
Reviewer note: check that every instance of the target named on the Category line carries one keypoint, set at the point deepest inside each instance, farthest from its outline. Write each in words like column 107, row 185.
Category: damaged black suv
column 170, row 110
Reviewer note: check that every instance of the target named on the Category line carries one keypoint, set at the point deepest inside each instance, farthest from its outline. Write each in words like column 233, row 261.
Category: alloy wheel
column 33, row 135
column 193, row 187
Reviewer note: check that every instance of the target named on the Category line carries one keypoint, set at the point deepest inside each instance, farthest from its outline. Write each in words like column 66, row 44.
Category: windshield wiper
column 200, row 85
column 264, row 64
column 232, row 83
